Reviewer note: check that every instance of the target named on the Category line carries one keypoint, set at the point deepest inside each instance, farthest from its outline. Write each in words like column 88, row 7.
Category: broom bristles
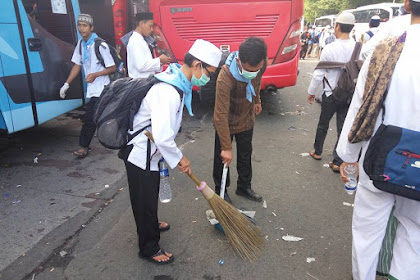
column 244, row 236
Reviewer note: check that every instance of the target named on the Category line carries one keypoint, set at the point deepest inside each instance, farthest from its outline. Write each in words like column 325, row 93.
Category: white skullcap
column 206, row 52
column 346, row 18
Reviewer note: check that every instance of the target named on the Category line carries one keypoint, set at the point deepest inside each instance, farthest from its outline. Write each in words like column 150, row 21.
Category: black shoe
column 250, row 194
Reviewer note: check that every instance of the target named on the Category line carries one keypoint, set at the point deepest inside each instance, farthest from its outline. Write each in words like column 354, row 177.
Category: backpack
column 346, row 84
column 121, row 71
column 115, row 110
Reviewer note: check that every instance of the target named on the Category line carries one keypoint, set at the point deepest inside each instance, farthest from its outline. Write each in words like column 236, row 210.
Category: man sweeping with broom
column 161, row 114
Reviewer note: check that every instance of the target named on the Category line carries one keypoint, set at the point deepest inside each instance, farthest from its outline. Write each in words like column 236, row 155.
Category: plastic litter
column 16, row 201
column 18, row 186
column 348, row 204
column 264, row 204
column 221, row 262
column 292, row 128
column 309, row 260
column 326, row 165
column 36, row 160
column 63, row 253
column 266, row 237
column 307, row 273
column 52, row 269
column 304, row 154
column 291, row 238
column 294, row 253
column 106, row 186
column 274, row 214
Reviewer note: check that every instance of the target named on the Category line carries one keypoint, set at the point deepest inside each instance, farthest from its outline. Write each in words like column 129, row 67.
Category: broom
column 245, row 237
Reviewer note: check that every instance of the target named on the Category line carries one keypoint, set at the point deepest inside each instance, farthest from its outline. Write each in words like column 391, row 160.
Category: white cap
column 206, row 52
column 377, row 17
column 327, row 27
column 346, row 18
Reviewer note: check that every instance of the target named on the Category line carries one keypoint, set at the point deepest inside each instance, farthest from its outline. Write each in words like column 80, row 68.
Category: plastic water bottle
column 351, row 173
column 165, row 193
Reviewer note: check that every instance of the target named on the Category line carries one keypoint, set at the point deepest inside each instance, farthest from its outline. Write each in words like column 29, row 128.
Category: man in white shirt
column 161, row 114
column 373, row 28
column 372, row 206
column 96, row 76
column 140, row 60
column 339, row 51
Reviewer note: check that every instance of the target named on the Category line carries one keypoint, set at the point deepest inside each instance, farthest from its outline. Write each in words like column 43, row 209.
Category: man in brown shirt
column 237, row 102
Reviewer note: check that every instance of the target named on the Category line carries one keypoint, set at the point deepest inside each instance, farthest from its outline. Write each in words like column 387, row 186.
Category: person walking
column 338, row 51
column 373, row 28
column 392, row 68
column 96, row 76
column 237, row 103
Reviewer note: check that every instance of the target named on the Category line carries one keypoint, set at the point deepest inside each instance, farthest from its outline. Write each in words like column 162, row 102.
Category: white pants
column 371, row 213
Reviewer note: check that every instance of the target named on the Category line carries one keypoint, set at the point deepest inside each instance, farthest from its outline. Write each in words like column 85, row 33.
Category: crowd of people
column 237, row 102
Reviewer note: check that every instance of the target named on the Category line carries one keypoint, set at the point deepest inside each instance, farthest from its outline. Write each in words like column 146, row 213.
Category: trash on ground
column 221, row 262
column 18, row 186
column 309, row 260
column 16, row 201
column 326, row 165
column 274, row 214
column 348, row 204
column 294, row 253
column 196, row 198
column 297, row 172
column 292, row 128
column 250, row 214
column 292, row 238
column 194, row 222
column 266, row 237
column 106, row 186
column 6, row 195
column 264, row 204
column 63, row 253
column 97, row 193
column 307, row 273
column 52, row 269
column 304, row 154
column 120, row 189
column 36, row 160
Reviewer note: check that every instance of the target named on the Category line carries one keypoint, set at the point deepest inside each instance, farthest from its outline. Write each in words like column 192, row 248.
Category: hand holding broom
column 244, row 236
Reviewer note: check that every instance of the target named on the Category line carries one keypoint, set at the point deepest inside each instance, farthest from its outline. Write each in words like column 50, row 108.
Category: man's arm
column 107, row 71
column 75, row 70
column 257, row 87
column 317, row 78
column 110, row 66
column 224, row 86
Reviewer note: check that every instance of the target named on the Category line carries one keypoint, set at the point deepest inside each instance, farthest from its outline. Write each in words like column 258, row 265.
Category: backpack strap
column 329, row 65
column 98, row 44
column 356, row 51
column 80, row 47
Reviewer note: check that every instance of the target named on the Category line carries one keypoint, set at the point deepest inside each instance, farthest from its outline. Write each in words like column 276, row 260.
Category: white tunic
column 140, row 61
column 93, row 65
column 372, row 206
column 338, row 51
column 162, row 108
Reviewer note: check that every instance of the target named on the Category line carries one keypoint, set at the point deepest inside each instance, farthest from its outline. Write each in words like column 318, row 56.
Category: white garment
column 140, row 61
column 162, row 108
column 372, row 206
column 93, row 65
column 395, row 27
column 339, row 51
column 367, row 37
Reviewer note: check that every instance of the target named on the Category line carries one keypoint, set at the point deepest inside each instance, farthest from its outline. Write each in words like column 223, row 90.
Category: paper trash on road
column 264, row 204
column 63, row 253
column 304, row 154
column 326, row 165
column 36, row 160
column 291, row 238
column 309, row 260
column 348, row 204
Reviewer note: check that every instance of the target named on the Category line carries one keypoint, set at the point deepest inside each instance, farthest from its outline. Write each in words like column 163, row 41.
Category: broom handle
column 192, row 176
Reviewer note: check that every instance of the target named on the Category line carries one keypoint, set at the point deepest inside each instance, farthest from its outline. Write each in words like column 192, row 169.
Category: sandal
column 82, row 152
column 163, row 228
column 161, row 252
column 315, row 156
column 334, row 167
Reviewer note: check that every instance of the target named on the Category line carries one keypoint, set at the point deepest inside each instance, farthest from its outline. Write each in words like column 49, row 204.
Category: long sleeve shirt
column 162, row 109
column 338, row 51
column 233, row 113
column 402, row 103
column 140, row 62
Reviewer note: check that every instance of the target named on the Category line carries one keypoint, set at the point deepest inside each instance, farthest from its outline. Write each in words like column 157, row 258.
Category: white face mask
column 246, row 74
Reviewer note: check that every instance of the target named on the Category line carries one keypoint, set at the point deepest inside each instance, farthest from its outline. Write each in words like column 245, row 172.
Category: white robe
column 140, row 61
column 372, row 207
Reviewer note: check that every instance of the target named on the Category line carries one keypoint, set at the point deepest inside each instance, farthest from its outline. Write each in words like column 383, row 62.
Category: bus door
column 15, row 97
column 50, row 34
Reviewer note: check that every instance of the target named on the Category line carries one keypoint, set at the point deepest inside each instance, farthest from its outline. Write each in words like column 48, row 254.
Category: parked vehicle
column 324, row 21
column 37, row 39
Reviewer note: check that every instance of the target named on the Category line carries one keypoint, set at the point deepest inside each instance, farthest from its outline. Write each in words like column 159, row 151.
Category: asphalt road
column 64, row 218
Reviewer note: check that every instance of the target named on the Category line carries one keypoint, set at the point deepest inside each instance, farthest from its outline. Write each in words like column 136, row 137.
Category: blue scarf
column 85, row 45
column 174, row 76
column 234, row 70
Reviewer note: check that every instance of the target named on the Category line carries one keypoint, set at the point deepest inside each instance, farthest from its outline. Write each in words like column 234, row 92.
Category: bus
column 37, row 39
column 324, row 21
column 225, row 23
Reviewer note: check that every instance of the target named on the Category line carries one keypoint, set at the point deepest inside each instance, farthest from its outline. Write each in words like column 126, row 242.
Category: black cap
column 144, row 16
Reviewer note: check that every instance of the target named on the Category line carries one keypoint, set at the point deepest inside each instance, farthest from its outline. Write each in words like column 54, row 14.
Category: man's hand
column 184, row 165
column 343, row 173
column 90, row 78
column 257, row 108
column 63, row 90
column 311, row 99
column 164, row 59
column 226, row 156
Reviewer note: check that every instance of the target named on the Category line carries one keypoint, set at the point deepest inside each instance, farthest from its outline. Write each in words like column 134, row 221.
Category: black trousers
column 328, row 108
column 303, row 50
column 89, row 127
column 144, row 191
column 243, row 160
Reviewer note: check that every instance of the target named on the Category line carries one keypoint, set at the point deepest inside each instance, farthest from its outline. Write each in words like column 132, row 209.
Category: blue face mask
column 202, row 81
column 246, row 74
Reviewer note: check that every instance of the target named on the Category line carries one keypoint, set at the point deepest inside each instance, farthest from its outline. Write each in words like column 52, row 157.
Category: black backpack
column 346, row 84
column 121, row 72
column 116, row 108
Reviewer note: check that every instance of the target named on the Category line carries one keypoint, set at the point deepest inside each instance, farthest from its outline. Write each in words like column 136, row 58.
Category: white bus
column 324, row 21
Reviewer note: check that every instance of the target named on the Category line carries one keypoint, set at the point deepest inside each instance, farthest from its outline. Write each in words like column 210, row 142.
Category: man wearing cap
column 338, row 51
column 96, row 76
column 237, row 102
column 373, row 28
column 161, row 114
column 140, row 60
